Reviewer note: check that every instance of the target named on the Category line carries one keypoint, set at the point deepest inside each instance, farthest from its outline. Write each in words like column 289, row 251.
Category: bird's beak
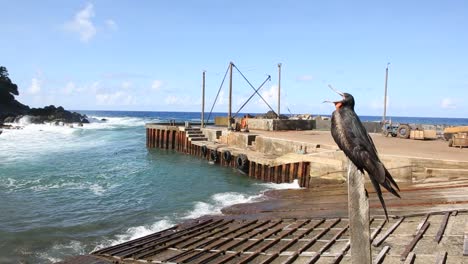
column 337, row 104
column 336, row 91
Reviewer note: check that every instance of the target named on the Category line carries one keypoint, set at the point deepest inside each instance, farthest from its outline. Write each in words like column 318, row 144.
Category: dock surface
column 428, row 225
column 385, row 145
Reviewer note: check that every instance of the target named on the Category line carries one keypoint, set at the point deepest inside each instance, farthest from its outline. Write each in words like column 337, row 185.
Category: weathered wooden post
column 358, row 210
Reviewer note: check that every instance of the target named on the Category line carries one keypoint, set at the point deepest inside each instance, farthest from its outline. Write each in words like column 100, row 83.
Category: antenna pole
column 203, row 102
column 230, row 96
column 279, row 89
column 385, row 96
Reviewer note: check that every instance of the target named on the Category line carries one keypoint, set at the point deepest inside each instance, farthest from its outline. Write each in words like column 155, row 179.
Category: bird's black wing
column 353, row 139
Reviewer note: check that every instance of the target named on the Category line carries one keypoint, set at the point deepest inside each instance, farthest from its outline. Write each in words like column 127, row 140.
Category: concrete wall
column 221, row 121
column 322, row 124
column 276, row 146
column 260, row 124
column 373, row 127
column 211, row 134
column 237, row 139
column 280, row 124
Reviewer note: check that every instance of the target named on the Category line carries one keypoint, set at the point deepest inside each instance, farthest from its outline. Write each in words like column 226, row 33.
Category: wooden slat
column 141, row 243
column 185, row 256
column 271, row 243
column 381, row 256
column 415, row 240
column 410, row 259
column 423, row 221
column 343, row 251
column 150, row 249
column 465, row 240
column 283, row 173
column 442, row 227
column 293, row 257
column 441, row 258
column 290, row 243
column 389, row 232
column 300, row 177
column 377, row 230
column 327, row 246
column 228, row 258
column 222, row 242
column 307, row 174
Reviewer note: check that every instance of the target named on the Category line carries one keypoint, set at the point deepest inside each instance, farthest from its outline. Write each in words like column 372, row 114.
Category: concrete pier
column 310, row 156
column 194, row 141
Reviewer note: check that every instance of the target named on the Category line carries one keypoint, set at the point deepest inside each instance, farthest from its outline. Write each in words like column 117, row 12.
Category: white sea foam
column 34, row 140
column 219, row 201
column 136, row 232
column 95, row 188
column 60, row 251
column 282, row 186
column 114, row 122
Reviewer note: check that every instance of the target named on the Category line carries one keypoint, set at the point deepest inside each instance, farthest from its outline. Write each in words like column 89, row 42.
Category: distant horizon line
column 253, row 113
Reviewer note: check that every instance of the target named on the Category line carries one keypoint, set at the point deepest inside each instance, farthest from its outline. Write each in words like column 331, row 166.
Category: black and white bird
column 353, row 139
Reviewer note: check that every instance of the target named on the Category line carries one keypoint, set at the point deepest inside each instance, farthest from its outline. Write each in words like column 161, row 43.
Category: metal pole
column 385, row 97
column 230, row 96
column 279, row 88
column 203, row 102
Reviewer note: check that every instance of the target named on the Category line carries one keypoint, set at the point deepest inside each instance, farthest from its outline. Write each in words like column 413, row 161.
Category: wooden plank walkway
column 320, row 240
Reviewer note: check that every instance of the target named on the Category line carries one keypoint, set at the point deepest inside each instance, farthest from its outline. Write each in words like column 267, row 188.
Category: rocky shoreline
column 12, row 111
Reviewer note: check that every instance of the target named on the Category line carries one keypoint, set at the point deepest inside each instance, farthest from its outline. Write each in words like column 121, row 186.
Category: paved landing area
column 385, row 145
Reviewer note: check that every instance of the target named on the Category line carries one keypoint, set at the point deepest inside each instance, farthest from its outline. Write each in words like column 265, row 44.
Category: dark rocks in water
column 56, row 114
column 103, row 119
column 11, row 110
column 271, row 115
column 47, row 114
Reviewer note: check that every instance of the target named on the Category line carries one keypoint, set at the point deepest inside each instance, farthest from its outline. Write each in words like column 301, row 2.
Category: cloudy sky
column 150, row 55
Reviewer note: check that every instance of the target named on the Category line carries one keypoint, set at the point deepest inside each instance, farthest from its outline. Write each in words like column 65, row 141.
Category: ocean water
column 67, row 191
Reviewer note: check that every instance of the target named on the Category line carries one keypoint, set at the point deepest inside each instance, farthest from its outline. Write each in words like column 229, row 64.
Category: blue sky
column 149, row 55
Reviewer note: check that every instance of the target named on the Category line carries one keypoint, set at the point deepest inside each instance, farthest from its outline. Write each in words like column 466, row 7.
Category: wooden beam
column 389, row 232
column 415, row 240
column 358, row 210
column 442, row 227
column 381, row 256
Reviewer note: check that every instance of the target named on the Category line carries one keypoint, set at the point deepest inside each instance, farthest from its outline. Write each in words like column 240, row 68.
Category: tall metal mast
column 385, row 96
column 279, row 89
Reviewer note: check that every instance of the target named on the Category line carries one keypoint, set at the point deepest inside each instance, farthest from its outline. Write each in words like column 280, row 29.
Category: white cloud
column 270, row 96
column 35, row 86
column 115, row 98
column 82, row 23
column 156, row 85
column 378, row 104
column 305, row 78
column 69, row 88
column 126, row 84
column 180, row 100
column 111, row 25
column 448, row 103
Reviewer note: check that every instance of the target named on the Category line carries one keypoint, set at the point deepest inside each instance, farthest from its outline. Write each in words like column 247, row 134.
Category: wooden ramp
column 438, row 237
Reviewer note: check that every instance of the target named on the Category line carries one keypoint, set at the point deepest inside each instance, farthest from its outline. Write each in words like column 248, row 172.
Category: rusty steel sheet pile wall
column 178, row 139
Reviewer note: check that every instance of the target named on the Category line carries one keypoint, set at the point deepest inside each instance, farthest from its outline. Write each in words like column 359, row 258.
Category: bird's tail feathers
column 390, row 184
column 379, row 194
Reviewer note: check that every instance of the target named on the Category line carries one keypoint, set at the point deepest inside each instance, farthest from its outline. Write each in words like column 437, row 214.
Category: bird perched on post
column 353, row 139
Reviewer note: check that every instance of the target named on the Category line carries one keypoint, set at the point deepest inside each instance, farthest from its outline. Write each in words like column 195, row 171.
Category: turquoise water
column 67, row 191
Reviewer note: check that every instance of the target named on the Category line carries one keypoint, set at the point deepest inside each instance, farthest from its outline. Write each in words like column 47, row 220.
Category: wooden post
column 358, row 210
